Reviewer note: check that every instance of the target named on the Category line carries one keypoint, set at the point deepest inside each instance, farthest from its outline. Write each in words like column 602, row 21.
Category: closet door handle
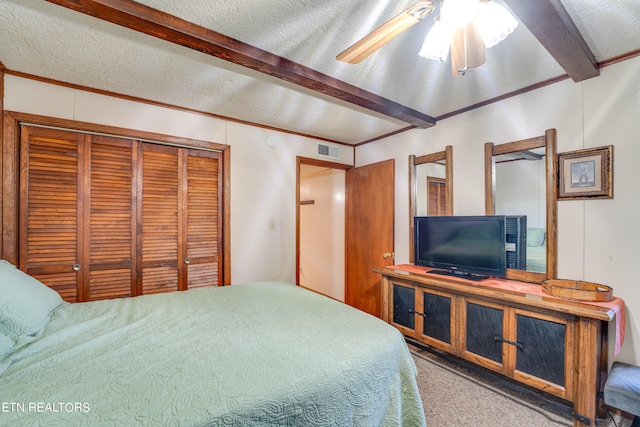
column 76, row 267
column 187, row 260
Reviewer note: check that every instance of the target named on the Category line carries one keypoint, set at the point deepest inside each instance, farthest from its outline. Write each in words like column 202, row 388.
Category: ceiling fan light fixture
column 495, row 23
column 437, row 43
column 466, row 28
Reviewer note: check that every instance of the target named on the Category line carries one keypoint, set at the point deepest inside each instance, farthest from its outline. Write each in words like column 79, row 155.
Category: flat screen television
column 472, row 247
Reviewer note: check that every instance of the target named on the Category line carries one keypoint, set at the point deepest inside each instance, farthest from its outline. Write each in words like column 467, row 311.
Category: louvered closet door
column 111, row 218
column 203, row 219
column 161, row 193
column 437, row 196
column 51, row 209
column 104, row 217
column 180, row 217
column 76, row 205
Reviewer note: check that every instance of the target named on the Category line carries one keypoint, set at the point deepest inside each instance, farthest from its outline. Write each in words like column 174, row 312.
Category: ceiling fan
column 465, row 27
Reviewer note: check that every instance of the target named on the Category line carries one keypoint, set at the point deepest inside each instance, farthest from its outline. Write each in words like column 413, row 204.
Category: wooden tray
column 577, row 290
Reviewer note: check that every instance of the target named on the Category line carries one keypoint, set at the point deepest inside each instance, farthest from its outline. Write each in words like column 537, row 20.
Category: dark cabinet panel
column 484, row 325
column 437, row 317
column 542, row 352
column 404, row 300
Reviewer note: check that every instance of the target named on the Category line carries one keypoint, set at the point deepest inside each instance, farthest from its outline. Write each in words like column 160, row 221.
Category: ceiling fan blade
column 467, row 49
column 386, row 32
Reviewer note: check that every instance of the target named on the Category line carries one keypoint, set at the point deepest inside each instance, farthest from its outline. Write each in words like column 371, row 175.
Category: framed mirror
column 520, row 182
column 430, row 187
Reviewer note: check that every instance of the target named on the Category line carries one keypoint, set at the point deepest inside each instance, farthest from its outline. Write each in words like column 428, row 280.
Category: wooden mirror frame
column 447, row 156
column 548, row 141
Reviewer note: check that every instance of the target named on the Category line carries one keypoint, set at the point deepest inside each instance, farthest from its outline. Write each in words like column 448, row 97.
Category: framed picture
column 586, row 174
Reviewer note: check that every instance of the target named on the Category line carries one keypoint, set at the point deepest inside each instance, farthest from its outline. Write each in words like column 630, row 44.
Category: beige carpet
column 455, row 397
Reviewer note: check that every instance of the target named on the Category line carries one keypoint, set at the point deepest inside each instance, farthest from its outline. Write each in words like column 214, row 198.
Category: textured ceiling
column 53, row 42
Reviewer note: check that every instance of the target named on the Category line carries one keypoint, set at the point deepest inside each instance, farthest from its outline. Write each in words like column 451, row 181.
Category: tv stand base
column 556, row 346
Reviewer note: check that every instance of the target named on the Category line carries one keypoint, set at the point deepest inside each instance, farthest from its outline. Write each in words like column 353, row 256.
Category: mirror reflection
column 520, row 193
column 521, row 180
column 431, row 189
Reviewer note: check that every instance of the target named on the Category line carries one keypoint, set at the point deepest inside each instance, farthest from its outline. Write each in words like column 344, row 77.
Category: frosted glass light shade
column 495, row 23
column 436, row 45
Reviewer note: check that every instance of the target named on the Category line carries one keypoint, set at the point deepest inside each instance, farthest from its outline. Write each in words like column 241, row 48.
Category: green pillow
column 25, row 302
column 536, row 236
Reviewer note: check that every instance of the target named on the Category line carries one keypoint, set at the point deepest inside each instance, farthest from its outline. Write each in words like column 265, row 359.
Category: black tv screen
column 461, row 245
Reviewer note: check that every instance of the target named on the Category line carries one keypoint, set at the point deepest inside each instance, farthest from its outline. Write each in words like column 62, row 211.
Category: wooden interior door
column 369, row 232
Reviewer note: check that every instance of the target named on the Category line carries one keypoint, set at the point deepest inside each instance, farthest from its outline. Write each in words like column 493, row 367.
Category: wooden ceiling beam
column 159, row 24
column 550, row 23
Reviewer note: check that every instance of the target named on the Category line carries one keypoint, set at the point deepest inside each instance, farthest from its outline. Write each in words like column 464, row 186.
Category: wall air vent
column 328, row 151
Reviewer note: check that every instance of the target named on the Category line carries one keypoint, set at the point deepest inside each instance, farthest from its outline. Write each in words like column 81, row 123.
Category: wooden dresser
column 512, row 328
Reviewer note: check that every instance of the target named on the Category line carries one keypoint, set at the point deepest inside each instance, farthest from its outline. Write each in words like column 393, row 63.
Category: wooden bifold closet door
column 180, row 218
column 436, row 196
column 105, row 217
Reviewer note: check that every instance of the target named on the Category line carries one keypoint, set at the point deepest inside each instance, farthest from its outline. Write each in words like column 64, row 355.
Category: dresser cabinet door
column 436, row 319
column 544, row 344
column 484, row 327
column 404, row 303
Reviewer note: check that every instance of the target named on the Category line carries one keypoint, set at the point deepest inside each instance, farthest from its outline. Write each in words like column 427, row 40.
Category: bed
column 259, row 354
column 537, row 249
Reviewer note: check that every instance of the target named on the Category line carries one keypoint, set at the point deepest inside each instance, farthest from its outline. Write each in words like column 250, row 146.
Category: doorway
column 366, row 237
column 321, row 227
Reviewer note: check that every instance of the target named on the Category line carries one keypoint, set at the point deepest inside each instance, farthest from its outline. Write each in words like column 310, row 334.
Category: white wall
column 322, row 228
column 598, row 240
column 263, row 179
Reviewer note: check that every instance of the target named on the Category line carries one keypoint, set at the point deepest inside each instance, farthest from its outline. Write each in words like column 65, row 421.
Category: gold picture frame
column 586, row 174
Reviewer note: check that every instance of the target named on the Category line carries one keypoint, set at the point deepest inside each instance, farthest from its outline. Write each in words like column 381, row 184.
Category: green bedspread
column 258, row 354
